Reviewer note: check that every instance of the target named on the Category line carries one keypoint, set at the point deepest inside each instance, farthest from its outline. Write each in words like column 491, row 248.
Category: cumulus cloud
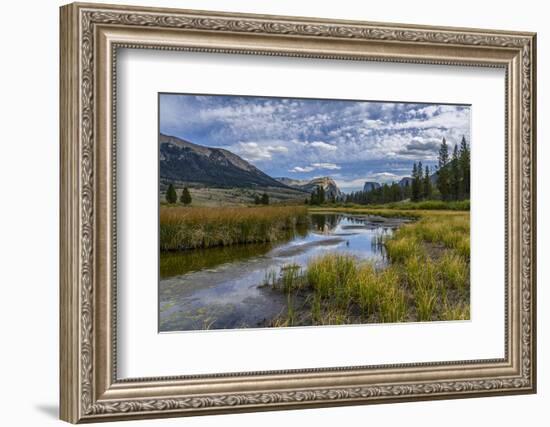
column 330, row 166
column 323, row 145
column 302, row 137
column 302, row 169
column 416, row 148
column 255, row 151
column 315, row 166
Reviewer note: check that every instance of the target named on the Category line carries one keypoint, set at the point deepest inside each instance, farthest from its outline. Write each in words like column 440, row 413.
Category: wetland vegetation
column 426, row 278
column 303, row 212
column 326, row 265
column 192, row 228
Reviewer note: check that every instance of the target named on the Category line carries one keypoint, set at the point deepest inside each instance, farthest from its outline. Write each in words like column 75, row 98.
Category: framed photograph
column 265, row 212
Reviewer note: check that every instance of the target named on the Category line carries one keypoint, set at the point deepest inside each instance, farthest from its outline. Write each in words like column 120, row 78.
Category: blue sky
column 351, row 141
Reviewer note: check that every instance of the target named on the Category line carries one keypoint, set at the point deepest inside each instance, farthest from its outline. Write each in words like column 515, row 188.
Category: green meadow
column 427, row 277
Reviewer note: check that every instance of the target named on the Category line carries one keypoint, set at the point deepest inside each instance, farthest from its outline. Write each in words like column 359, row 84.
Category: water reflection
column 217, row 288
column 324, row 222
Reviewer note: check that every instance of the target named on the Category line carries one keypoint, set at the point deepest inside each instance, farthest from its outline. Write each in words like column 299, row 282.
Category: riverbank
column 183, row 228
column 217, row 288
column 427, row 279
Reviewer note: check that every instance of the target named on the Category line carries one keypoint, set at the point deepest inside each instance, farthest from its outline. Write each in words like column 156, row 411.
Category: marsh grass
column 183, row 228
column 455, row 271
column 400, row 249
column 393, row 301
column 333, row 277
column 427, row 278
column 458, row 311
column 292, row 278
column 340, row 290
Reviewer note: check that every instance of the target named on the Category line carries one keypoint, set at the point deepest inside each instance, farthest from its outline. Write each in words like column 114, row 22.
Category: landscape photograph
column 299, row 212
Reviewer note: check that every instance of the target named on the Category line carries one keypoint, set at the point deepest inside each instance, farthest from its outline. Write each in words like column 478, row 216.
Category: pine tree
column 185, row 197
column 464, row 159
column 416, row 190
column 443, row 170
column 386, row 193
column 396, row 193
column 455, row 175
column 313, row 199
column 265, row 199
column 320, row 194
column 171, row 195
column 420, row 179
column 406, row 190
column 427, row 184
column 257, row 200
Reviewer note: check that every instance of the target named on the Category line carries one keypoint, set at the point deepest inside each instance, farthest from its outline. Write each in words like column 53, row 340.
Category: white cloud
column 253, row 151
column 353, row 184
column 330, row 166
column 315, row 166
column 323, row 145
column 302, row 169
column 303, row 136
column 385, row 176
column 437, row 117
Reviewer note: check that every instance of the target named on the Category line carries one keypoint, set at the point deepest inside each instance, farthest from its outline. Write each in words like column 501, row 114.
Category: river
column 219, row 288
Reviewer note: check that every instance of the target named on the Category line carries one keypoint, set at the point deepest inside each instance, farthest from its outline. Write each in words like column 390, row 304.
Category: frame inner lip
column 342, row 370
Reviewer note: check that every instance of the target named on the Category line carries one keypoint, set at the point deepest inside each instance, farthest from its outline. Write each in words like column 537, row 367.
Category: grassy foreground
column 428, row 277
column 192, row 227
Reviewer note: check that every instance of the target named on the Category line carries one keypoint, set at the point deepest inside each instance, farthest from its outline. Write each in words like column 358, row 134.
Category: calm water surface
column 218, row 288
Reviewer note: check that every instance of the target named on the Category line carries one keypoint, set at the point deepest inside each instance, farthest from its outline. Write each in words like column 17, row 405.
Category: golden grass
column 428, row 277
column 194, row 227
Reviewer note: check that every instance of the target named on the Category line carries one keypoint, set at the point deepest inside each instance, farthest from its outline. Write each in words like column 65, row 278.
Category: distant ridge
column 370, row 185
column 328, row 184
column 403, row 182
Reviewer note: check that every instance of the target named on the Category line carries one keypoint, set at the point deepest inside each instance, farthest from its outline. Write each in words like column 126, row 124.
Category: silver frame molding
column 90, row 37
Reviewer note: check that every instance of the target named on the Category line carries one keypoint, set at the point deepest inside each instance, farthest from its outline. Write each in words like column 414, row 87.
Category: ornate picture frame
column 90, row 37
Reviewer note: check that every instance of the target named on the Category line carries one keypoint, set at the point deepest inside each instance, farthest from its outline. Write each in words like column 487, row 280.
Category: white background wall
column 29, row 170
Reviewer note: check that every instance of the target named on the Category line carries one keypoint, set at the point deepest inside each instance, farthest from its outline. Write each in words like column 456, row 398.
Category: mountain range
column 184, row 162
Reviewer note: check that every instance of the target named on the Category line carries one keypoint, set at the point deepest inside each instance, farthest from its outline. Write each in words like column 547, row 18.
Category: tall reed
column 192, row 227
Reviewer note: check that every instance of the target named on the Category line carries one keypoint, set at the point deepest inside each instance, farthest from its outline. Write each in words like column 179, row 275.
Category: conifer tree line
column 450, row 180
column 453, row 173
column 318, row 197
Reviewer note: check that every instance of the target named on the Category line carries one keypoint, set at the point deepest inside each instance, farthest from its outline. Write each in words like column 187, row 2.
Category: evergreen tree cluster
column 453, row 174
column 421, row 183
column 172, row 195
column 386, row 193
column 318, row 196
column 452, row 180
